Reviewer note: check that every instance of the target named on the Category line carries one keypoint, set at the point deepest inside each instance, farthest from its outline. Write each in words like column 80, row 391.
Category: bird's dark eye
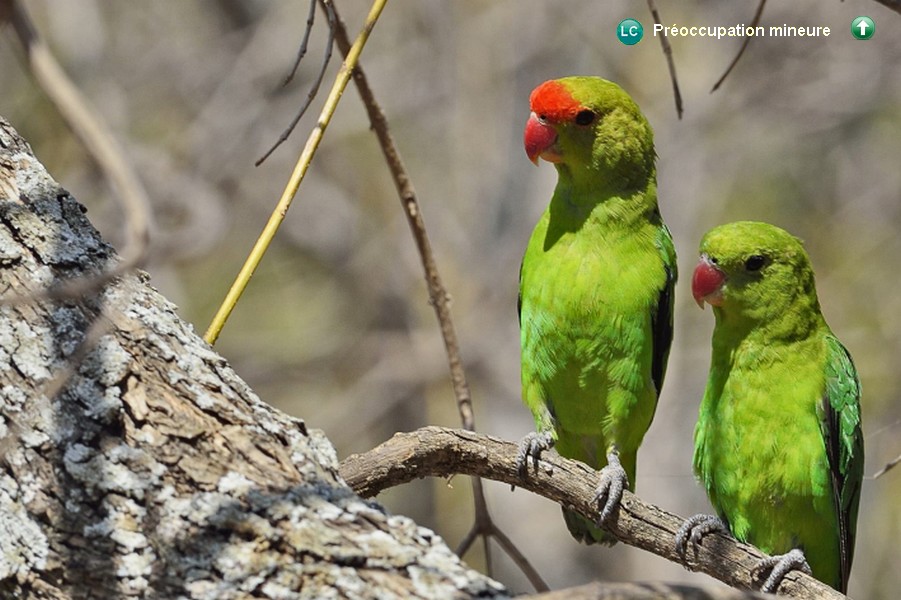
column 585, row 117
column 755, row 263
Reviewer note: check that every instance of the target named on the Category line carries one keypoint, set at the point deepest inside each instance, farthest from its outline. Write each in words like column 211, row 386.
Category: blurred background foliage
column 336, row 328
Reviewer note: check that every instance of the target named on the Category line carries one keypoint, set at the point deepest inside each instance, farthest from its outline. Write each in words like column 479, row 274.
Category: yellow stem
column 300, row 169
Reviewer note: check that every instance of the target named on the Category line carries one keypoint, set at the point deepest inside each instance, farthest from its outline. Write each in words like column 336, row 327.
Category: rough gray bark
column 156, row 472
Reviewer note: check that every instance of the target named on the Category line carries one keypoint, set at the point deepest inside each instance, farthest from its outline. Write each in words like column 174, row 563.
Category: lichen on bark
column 154, row 471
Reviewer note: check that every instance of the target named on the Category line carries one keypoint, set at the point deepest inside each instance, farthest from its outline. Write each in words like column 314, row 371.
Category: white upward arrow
column 863, row 28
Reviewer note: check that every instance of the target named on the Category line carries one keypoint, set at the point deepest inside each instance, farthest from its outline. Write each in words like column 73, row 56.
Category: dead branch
column 314, row 88
column 441, row 452
column 754, row 23
column 888, row 467
column 670, row 62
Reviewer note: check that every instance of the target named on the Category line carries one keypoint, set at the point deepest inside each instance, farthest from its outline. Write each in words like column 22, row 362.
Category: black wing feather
column 662, row 329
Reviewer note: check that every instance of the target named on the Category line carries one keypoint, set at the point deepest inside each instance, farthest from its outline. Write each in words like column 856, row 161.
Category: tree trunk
column 137, row 464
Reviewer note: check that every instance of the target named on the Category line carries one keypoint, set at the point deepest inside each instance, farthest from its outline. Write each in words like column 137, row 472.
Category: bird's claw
column 613, row 480
column 532, row 445
column 779, row 566
column 694, row 529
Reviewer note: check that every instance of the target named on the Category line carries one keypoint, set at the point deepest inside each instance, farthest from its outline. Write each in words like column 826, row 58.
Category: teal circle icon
column 629, row 31
column 863, row 28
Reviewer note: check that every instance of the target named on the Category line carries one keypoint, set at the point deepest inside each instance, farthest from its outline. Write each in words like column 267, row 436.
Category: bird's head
column 588, row 123
column 753, row 272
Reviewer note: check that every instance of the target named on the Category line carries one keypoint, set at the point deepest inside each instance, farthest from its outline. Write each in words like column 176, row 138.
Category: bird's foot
column 694, row 529
column 779, row 566
column 613, row 480
column 531, row 446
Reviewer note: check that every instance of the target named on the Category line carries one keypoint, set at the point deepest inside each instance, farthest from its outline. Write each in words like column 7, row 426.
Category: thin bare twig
column 888, row 467
column 518, row 559
column 440, row 301
column 314, row 89
column 297, row 175
column 90, row 129
column 754, row 23
column 302, row 51
column 99, row 327
column 485, row 527
column 670, row 62
column 438, row 296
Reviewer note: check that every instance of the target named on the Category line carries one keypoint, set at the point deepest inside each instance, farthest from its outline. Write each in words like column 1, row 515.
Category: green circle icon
column 629, row 31
column 863, row 28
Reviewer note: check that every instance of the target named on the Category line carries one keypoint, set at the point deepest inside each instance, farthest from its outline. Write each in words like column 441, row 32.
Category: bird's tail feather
column 585, row 531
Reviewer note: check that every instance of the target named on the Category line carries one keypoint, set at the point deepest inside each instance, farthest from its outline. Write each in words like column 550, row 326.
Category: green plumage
column 778, row 444
column 596, row 290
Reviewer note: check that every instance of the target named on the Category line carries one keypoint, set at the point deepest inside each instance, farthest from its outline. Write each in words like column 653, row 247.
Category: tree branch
column 440, row 300
column 888, row 467
column 93, row 133
column 297, row 175
column 441, row 452
column 744, row 45
column 314, row 88
column 670, row 61
column 438, row 295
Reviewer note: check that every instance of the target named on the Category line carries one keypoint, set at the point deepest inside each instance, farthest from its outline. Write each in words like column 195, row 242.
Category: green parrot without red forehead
column 778, row 443
column 596, row 287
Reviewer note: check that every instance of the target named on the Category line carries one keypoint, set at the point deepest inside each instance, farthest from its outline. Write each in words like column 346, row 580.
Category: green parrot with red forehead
column 596, row 289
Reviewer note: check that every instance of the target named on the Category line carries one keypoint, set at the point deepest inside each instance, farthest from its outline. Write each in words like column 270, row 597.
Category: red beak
column 539, row 137
column 707, row 283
